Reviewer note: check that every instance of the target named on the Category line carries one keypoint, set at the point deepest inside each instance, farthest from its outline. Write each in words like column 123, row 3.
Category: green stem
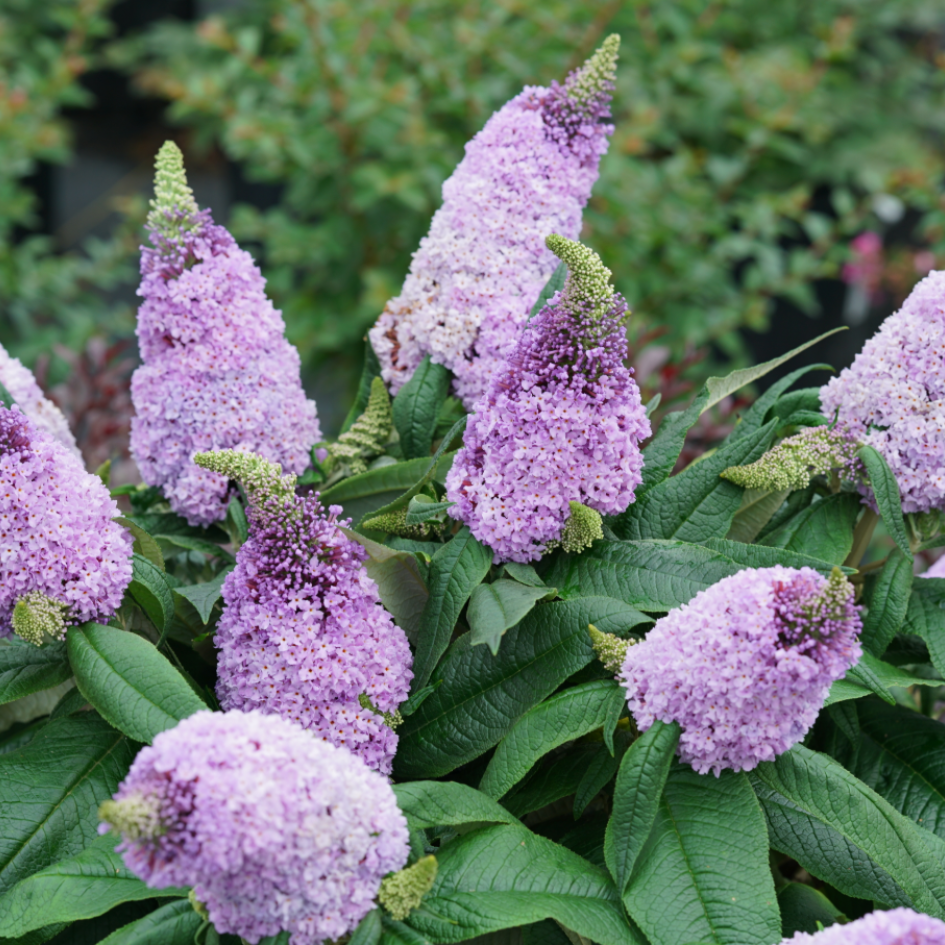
column 862, row 536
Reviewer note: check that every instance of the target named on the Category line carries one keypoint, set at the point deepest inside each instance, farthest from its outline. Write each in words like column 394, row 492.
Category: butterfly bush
column 895, row 927
column 62, row 558
column 480, row 269
column 273, row 829
column 893, row 395
column 745, row 666
column 561, row 423
column 218, row 371
column 26, row 394
column 303, row 633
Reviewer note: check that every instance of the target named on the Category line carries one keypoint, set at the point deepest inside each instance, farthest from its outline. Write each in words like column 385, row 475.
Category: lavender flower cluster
column 561, row 423
column 475, row 277
column 303, row 633
column 273, row 829
column 895, row 927
column 893, row 395
column 745, row 666
column 218, row 372
column 57, row 537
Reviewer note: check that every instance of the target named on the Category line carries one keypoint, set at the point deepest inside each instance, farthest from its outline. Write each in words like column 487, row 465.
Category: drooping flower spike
column 745, row 666
column 273, row 829
column 893, row 395
column 895, row 927
column 218, row 372
column 303, row 633
column 478, row 273
column 62, row 559
column 22, row 387
column 560, row 425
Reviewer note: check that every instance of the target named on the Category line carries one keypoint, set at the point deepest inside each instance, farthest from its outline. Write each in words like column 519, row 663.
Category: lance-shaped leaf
column 417, row 405
column 872, row 675
column 886, row 492
column 150, row 589
column 761, row 556
column 204, row 596
column 25, row 669
column 173, row 924
column 370, row 370
column 554, row 284
column 447, row 803
column 823, row 530
column 494, row 608
column 888, row 603
column 925, row 617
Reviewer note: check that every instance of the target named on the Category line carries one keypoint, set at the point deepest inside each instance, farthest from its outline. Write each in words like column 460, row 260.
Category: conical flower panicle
column 893, row 396
column 26, row 394
column 273, row 829
column 64, row 560
column 745, row 666
column 560, row 426
column 217, row 370
column 478, row 272
column 891, row 927
column 303, row 634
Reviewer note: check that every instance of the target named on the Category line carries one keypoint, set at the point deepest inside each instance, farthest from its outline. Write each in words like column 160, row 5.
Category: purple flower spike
column 273, row 829
column 561, row 424
column 477, row 274
column 745, row 666
column 895, row 927
column 218, row 372
column 303, row 633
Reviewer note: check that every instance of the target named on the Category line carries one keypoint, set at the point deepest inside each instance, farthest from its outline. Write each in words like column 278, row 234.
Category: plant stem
column 862, row 535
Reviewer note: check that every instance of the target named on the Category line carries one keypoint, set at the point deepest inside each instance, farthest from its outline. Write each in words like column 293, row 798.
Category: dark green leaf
column 204, row 596
column 703, row 874
column 756, row 509
column 804, row 418
column 759, row 412
column 650, row 575
column 926, row 617
column 555, row 777
column 369, row 930
column 173, row 924
column 396, row 933
column 805, row 909
column 762, row 556
column 563, row 718
column 640, row 781
column 236, row 523
column 455, row 571
column 523, row 573
column 144, row 544
column 417, row 405
column 371, row 369
column 807, row 398
column 446, row 803
column 480, row 697
column 150, row 589
column 48, row 789
column 129, row 681
column 661, row 453
column 863, row 674
column 78, row 887
column 494, row 608
column 6, row 398
column 878, row 672
column 554, row 284
column 844, row 833
column 886, row 491
column 503, row 876
column 600, row 770
column 823, row 530
column 189, row 543
column 25, row 668
column 422, row 508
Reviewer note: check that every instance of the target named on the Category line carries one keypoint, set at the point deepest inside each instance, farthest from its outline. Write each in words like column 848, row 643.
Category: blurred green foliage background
column 753, row 141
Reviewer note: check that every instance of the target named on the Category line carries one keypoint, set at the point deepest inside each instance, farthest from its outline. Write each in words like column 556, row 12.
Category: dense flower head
column 273, row 829
column 217, row 370
column 480, row 269
column 893, row 395
column 303, row 633
column 57, row 537
column 895, row 927
column 561, row 423
column 26, row 394
column 745, row 666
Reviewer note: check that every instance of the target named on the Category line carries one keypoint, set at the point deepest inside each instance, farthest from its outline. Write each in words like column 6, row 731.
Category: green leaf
column 422, row 509
column 553, row 778
column 455, row 571
column 173, row 924
column 129, row 681
column 523, row 573
column 762, row 556
column 204, row 596
column 844, row 833
column 479, row 697
column 562, row 718
column 886, row 492
column 823, row 530
column 703, row 874
column 25, row 668
column 494, row 608
column 189, row 543
column 446, row 804
column 755, row 511
column 926, row 617
column 554, row 284
column 48, row 788
column 874, row 673
column 807, row 398
column 503, row 876
column 661, row 453
column 697, row 503
column 760, row 411
column 863, row 674
column 371, row 369
column 369, row 930
column 151, row 591
column 417, row 405
column 144, row 544
column 640, row 781
column 650, row 575
column 79, row 887
column 6, row 398
column 805, row 909
column 600, row 770
column 402, row 587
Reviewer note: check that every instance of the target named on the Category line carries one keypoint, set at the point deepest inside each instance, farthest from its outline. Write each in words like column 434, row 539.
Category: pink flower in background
column 866, row 267
column 895, row 927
